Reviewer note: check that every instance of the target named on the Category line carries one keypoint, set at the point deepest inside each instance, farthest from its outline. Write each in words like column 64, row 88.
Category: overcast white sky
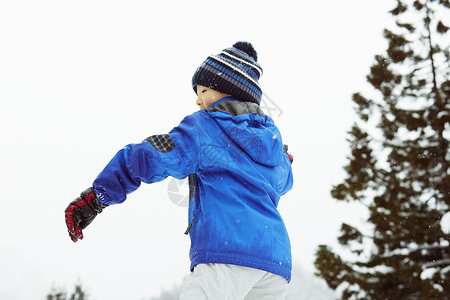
column 81, row 79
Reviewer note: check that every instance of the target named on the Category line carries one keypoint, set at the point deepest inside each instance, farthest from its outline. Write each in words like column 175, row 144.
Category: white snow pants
column 231, row 282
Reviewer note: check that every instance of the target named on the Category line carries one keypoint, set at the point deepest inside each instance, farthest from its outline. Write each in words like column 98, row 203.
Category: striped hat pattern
column 234, row 71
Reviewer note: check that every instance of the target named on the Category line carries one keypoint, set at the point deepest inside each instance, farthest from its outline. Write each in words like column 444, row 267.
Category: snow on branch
column 440, row 262
column 445, row 223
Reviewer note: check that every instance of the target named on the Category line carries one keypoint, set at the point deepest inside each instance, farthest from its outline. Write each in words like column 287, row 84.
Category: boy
column 237, row 168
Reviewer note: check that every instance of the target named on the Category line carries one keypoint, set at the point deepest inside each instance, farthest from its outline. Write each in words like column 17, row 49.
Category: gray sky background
column 81, row 79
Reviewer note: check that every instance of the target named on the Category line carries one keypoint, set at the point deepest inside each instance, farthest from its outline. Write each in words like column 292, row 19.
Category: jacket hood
column 253, row 131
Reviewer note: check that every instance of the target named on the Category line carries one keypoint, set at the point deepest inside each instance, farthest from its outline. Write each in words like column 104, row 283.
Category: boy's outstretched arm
column 154, row 159
column 121, row 176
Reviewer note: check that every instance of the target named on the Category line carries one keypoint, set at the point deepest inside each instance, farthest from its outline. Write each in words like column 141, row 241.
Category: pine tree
column 399, row 167
column 79, row 293
column 59, row 293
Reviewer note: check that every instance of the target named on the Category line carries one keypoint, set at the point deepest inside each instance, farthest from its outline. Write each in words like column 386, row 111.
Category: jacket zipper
column 189, row 227
column 192, row 191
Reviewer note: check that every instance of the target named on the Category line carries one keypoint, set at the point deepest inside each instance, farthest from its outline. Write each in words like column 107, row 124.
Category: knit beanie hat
column 234, row 71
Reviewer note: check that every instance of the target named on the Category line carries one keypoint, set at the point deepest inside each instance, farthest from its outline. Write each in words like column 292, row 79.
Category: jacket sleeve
column 157, row 157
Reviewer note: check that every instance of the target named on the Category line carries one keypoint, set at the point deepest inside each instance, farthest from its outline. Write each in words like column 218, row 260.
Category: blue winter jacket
column 233, row 155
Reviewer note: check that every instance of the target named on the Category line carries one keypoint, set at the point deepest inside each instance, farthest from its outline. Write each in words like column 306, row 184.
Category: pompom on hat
column 233, row 71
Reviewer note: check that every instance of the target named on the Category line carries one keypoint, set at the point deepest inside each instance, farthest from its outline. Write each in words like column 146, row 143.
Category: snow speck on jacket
column 233, row 155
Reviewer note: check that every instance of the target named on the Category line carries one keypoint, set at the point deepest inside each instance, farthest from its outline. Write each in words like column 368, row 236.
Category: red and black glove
column 285, row 148
column 81, row 212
